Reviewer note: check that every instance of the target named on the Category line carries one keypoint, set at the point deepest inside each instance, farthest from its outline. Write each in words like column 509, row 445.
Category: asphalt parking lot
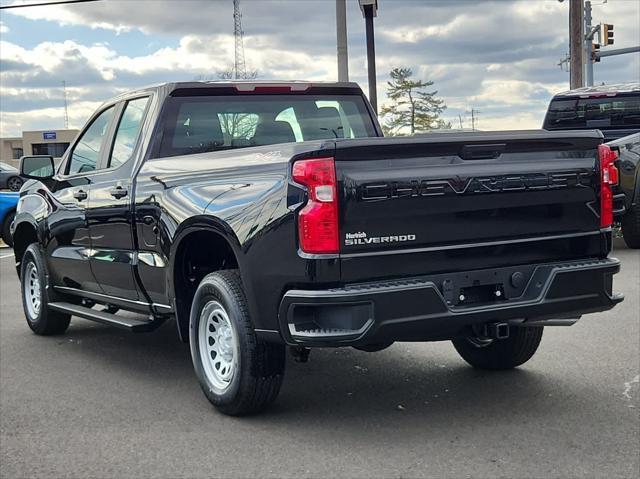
column 99, row 402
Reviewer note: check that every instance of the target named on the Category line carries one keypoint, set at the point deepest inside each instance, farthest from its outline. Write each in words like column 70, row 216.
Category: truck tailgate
column 456, row 200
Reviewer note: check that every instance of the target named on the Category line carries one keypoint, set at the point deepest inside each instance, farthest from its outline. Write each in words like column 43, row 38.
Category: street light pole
column 341, row 33
column 588, row 41
column 369, row 10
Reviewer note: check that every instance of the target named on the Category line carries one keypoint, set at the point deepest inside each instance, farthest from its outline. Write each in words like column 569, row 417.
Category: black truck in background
column 614, row 110
column 265, row 215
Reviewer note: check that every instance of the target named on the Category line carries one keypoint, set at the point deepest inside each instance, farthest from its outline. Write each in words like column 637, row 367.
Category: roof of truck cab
column 614, row 88
column 168, row 87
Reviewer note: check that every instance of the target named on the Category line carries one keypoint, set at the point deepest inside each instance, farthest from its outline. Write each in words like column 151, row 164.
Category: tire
column 508, row 353
column 14, row 183
column 238, row 373
column 631, row 227
column 36, row 296
column 374, row 347
column 5, row 232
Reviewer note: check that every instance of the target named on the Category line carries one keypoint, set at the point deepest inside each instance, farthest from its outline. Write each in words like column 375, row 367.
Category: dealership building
column 42, row 142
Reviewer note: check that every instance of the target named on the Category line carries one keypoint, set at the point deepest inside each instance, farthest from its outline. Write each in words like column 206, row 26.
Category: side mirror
column 37, row 167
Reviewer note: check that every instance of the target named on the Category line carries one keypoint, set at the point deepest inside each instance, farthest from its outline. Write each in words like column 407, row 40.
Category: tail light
column 608, row 178
column 318, row 220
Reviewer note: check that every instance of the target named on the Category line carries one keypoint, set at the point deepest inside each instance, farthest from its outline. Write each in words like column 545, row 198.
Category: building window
column 16, row 153
column 53, row 149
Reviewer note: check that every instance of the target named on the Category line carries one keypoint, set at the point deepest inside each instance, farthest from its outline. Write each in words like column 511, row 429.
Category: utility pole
column 576, row 41
column 474, row 119
column 341, row 34
column 66, row 109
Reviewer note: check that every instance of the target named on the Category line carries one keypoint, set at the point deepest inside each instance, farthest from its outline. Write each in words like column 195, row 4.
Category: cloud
column 496, row 56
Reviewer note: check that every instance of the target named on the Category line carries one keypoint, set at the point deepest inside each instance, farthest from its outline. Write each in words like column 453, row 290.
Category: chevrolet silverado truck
column 266, row 216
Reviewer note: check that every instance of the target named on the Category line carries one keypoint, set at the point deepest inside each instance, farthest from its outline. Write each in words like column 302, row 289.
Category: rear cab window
column 601, row 111
column 203, row 123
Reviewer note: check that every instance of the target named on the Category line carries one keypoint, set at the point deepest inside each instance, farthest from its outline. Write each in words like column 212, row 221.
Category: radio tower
column 66, row 109
column 239, row 69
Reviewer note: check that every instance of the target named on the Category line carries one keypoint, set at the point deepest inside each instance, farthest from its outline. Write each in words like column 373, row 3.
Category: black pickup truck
column 614, row 110
column 265, row 215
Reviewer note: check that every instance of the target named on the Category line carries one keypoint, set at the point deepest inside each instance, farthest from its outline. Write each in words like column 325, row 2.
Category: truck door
column 69, row 247
column 109, row 213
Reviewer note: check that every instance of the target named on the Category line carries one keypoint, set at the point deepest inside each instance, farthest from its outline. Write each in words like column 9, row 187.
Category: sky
column 497, row 57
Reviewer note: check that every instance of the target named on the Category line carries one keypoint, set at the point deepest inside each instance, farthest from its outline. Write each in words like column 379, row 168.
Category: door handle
column 80, row 195
column 118, row 192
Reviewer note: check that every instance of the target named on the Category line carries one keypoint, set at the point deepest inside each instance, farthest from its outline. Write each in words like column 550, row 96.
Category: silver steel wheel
column 218, row 345
column 32, row 291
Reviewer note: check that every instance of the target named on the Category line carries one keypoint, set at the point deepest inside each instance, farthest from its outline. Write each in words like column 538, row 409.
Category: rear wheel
column 36, row 294
column 6, row 233
column 238, row 373
column 484, row 353
column 631, row 227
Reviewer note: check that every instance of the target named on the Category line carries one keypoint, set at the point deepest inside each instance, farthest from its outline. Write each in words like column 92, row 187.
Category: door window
column 86, row 153
column 128, row 131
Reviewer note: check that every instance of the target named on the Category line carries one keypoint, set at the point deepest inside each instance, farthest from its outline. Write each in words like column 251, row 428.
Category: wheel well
column 23, row 236
column 198, row 254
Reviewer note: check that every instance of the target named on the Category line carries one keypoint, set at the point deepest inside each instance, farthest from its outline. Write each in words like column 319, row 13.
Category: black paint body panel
column 490, row 201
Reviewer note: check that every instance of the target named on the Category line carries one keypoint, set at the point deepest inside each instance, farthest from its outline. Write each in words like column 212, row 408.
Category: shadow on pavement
column 407, row 385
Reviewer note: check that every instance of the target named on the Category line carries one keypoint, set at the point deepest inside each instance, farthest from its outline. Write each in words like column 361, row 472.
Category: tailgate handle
column 482, row 152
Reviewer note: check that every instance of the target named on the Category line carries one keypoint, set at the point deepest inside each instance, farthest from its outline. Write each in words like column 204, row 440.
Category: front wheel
column 35, row 296
column 238, row 373
column 14, row 183
column 517, row 349
column 6, row 229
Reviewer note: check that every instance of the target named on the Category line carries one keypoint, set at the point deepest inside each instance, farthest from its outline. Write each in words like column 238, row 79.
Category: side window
column 289, row 115
column 86, row 154
column 128, row 131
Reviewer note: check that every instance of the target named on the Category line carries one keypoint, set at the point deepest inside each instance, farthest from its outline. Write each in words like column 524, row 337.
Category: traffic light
column 595, row 49
column 607, row 34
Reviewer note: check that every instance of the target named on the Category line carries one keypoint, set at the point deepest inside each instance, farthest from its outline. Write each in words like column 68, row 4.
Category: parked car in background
column 627, row 193
column 8, row 203
column 10, row 177
column 612, row 109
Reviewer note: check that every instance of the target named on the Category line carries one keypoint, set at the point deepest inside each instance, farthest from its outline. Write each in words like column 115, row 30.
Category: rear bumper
column 430, row 308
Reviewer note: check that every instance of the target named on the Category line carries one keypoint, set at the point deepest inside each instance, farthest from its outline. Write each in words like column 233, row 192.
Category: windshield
column 601, row 112
column 212, row 123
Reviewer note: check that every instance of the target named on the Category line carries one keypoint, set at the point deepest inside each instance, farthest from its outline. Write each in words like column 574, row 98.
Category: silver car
column 10, row 177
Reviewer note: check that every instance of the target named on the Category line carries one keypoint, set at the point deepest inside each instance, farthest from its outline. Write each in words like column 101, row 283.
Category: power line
column 59, row 2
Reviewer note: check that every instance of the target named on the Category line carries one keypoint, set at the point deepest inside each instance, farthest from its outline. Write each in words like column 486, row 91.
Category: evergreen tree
column 413, row 108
